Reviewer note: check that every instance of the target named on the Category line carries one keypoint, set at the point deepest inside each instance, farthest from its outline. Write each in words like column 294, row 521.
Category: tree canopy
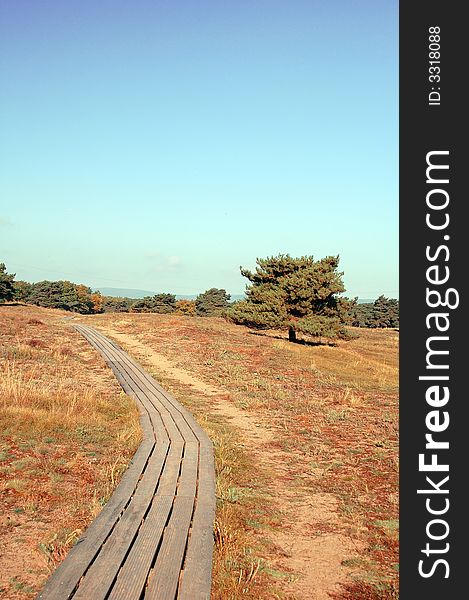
column 383, row 312
column 159, row 303
column 212, row 302
column 7, row 289
column 117, row 303
column 22, row 290
column 64, row 295
column 298, row 293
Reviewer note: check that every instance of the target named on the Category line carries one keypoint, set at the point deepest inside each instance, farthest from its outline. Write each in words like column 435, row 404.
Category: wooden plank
column 196, row 428
column 200, row 547
column 174, row 463
column 167, row 400
column 185, row 422
column 164, row 579
column 187, row 484
column 65, row 578
column 197, row 574
column 98, row 580
column 132, row 383
column 134, row 572
column 206, row 472
column 125, row 382
column 139, row 378
column 186, row 432
column 136, row 376
column 169, row 479
column 159, row 402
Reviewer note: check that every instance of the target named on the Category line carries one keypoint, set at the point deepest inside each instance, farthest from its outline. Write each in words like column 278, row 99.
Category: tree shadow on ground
column 297, row 341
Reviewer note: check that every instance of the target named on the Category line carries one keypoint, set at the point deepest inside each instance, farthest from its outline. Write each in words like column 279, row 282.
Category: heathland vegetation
column 305, row 434
column 67, row 433
column 306, row 450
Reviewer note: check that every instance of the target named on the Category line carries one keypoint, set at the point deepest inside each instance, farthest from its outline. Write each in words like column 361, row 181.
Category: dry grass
column 67, row 434
column 240, row 564
column 334, row 414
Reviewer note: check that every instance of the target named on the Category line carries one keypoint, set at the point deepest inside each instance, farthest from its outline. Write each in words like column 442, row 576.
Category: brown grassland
column 306, row 442
column 67, row 433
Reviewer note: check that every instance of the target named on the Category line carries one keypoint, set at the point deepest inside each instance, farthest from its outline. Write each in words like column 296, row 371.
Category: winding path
column 154, row 538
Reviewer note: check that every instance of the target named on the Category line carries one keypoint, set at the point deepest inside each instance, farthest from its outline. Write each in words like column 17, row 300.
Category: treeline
column 298, row 293
column 383, row 312
column 79, row 298
column 210, row 303
column 59, row 294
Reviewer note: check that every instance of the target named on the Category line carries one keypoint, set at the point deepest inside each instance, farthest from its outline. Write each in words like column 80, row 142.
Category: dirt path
column 308, row 545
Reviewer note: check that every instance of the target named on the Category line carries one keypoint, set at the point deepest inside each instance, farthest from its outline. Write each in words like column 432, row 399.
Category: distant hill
column 369, row 300
column 131, row 293
column 124, row 293
column 194, row 296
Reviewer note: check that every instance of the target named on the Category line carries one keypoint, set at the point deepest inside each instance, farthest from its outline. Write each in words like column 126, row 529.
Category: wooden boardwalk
column 154, row 538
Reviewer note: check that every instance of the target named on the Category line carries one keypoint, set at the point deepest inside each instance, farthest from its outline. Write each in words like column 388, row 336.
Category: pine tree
column 64, row 295
column 361, row 315
column 117, row 304
column 7, row 290
column 212, row 302
column 23, row 290
column 385, row 312
column 160, row 303
column 300, row 294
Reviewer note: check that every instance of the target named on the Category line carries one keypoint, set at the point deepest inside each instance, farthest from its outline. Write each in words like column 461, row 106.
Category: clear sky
column 161, row 144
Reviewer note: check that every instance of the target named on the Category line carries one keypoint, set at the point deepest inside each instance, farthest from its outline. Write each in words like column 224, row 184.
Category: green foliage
column 74, row 297
column 321, row 326
column 298, row 293
column 117, row 304
column 22, row 290
column 383, row 312
column 64, row 295
column 7, row 290
column 386, row 312
column 160, row 303
column 212, row 302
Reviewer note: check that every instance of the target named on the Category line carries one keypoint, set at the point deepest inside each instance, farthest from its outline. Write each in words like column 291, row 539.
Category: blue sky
column 161, row 144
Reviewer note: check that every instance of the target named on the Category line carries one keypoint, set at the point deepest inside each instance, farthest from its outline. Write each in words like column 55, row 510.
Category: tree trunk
column 291, row 334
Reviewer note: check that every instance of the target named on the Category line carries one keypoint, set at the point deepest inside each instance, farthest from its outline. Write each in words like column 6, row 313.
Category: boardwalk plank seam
column 154, row 537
